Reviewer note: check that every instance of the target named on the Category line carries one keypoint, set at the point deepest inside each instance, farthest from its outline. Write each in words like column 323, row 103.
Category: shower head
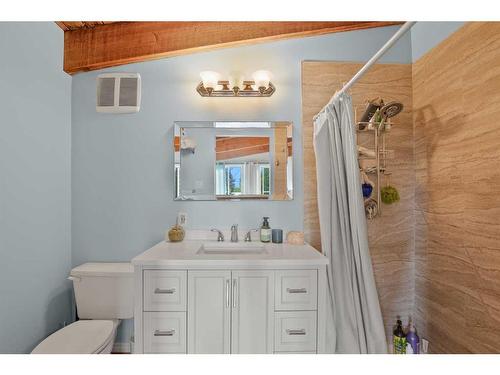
column 391, row 109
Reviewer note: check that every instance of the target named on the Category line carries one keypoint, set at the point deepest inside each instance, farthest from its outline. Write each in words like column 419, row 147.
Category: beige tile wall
column 391, row 235
column 456, row 103
column 436, row 254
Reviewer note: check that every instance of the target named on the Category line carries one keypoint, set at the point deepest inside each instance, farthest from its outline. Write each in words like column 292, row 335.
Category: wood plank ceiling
column 91, row 45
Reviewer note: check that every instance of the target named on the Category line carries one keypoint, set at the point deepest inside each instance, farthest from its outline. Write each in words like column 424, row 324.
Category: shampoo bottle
column 399, row 339
column 413, row 341
column 265, row 231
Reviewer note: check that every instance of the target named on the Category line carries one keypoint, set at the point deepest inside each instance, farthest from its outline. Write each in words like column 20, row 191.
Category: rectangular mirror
column 233, row 160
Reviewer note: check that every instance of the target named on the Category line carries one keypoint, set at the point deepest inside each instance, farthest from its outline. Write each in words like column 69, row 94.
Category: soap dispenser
column 265, row 231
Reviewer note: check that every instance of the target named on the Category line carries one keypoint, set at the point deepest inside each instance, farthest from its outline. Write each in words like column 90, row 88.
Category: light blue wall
column 197, row 170
column 427, row 35
column 122, row 164
column 35, row 201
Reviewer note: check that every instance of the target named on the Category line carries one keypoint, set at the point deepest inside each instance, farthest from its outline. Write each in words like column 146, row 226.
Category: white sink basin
column 231, row 248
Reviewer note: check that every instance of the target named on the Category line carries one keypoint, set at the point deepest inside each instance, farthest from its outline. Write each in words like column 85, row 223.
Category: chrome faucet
column 220, row 236
column 234, row 233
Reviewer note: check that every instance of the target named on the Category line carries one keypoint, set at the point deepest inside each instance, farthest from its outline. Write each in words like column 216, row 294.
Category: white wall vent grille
column 118, row 93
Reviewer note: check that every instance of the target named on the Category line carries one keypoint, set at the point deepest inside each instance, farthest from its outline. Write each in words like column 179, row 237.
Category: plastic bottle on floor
column 412, row 339
column 399, row 339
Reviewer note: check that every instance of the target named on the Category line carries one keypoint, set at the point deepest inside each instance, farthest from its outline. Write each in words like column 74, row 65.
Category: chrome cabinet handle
column 296, row 332
column 295, row 291
column 234, row 292
column 227, row 293
column 169, row 332
column 164, row 291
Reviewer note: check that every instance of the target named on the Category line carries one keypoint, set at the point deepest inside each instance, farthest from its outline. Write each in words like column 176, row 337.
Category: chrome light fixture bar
column 212, row 86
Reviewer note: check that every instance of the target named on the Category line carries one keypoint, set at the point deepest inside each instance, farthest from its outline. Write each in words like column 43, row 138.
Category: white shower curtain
column 356, row 324
column 251, row 180
column 220, row 185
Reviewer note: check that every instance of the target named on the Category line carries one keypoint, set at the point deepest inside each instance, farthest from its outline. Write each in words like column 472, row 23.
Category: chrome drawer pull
column 295, row 291
column 170, row 332
column 227, row 293
column 164, row 291
column 296, row 332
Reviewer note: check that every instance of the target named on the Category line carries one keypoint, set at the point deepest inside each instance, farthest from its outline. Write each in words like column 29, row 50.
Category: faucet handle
column 248, row 236
column 234, row 233
column 220, row 236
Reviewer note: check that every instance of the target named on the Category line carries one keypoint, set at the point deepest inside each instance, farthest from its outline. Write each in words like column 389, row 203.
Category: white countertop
column 185, row 254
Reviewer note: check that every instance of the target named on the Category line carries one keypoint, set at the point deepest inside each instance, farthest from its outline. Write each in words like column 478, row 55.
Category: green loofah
column 389, row 194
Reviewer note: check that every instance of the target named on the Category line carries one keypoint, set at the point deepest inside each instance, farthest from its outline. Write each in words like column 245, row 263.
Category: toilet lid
column 81, row 337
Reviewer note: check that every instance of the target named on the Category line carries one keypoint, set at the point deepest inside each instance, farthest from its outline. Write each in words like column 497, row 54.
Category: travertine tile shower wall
column 391, row 234
column 456, row 111
column 436, row 254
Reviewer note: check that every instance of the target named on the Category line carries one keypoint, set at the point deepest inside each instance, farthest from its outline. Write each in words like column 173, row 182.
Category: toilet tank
column 104, row 290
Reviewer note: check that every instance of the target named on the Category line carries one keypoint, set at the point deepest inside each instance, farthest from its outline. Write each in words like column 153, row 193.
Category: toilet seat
column 80, row 337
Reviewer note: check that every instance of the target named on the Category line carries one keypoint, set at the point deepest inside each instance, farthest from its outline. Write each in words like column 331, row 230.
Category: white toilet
column 104, row 295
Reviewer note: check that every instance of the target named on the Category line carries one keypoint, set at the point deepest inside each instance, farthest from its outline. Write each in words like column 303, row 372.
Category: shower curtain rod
column 403, row 29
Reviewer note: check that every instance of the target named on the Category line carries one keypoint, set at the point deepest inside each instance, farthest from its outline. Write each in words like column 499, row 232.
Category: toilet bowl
column 104, row 296
column 81, row 337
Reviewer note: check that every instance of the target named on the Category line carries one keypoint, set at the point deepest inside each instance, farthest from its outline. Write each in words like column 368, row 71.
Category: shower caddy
column 379, row 130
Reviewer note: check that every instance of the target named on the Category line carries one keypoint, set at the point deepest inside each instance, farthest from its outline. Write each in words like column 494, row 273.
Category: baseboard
column 121, row 348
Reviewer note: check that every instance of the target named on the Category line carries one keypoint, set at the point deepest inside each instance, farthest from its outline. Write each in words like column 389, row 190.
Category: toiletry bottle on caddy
column 265, row 231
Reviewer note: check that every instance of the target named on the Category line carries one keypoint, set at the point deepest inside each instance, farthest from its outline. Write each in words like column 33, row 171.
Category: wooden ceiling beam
column 237, row 147
column 242, row 152
column 75, row 25
column 91, row 45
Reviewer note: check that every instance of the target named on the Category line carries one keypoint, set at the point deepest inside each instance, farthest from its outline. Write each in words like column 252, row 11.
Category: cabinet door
column 209, row 306
column 252, row 312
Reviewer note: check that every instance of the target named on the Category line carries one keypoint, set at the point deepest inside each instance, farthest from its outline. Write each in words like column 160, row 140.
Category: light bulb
column 235, row 81
column 261, row 78
column 210, row 79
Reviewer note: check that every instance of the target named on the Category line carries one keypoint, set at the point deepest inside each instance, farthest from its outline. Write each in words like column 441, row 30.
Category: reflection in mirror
column 243, row 166
column 233, row 160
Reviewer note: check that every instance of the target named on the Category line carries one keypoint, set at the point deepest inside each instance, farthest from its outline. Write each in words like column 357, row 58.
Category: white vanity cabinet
column 230, row 311
column 239, row 305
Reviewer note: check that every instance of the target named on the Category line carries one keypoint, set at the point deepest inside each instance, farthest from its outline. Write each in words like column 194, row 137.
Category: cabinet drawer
column 296, row 290
column 165, row 290
column 295, row 331
column 164, row 332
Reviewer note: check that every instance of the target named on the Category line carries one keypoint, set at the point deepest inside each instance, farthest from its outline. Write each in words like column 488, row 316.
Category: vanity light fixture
column 211, row 85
